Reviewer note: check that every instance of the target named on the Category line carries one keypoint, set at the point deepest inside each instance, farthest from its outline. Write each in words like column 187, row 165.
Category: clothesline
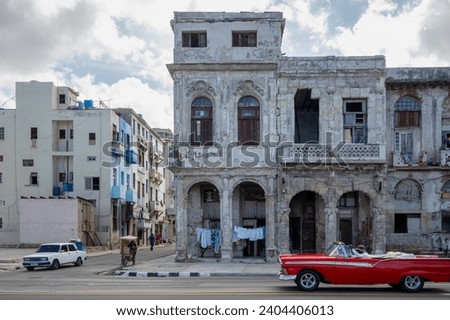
column 253, row 234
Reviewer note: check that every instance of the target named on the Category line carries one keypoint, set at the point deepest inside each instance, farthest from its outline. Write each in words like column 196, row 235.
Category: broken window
column 404, row 146
column 306, row 117
column 248, row 118
column 244, row 38
column 407, row 112
column 355, row 121
column 408, row 190
column 407, row 223
column 194, row 39
column 201, row 121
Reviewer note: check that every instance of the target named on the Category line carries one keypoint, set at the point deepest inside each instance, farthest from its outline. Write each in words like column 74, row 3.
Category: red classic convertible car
column 341, row 264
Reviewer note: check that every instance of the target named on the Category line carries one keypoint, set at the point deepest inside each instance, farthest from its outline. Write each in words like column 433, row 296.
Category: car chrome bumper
column 286, row 277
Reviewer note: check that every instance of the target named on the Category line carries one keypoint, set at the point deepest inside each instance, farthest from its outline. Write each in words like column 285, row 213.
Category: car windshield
column 49, row 248
column 339, row 249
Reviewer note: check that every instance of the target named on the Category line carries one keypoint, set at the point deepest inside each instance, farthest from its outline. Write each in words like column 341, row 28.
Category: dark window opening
column 33, row 133
column 355, row 121
column 306, row 117
column 194, row 39
column 406, row 223
column 62, row 98
column 244, row 39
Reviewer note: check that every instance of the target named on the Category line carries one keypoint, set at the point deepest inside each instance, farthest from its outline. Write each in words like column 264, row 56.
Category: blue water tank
column 88, row 103
column 56, row 191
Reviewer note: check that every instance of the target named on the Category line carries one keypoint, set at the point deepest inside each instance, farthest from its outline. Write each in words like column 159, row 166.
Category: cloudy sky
column 117, row 50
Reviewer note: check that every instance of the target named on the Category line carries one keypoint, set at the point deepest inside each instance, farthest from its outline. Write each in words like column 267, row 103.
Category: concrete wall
column 48, row 220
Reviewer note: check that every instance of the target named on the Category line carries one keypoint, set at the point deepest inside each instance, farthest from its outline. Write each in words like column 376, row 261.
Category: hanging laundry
column 209, row 238
column 247, row 233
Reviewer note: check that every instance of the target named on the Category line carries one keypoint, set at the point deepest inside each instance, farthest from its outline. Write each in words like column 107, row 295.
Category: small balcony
column 131, row 156
column 142, row 143
column 115, row 192
column 156, row 206
column 155, row 176
column 130, row 196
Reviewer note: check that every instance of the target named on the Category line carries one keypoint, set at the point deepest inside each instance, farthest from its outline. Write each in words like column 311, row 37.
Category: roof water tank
column 88, row 103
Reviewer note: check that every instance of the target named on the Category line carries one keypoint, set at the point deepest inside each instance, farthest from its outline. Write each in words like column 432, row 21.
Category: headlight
column 44, row 259
column 26, row 259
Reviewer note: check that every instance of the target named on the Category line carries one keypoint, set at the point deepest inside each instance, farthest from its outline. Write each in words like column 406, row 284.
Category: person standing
column 133, row 250
column 151, row 240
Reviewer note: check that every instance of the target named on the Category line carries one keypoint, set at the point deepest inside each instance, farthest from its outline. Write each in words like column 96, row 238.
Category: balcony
column 142, row 143
column 341, row 154
column 115, row 192
column 156, row 206
column 130, row 196
column 117, row 149
column 155, row 176
column 156, row 154
column 131, row 156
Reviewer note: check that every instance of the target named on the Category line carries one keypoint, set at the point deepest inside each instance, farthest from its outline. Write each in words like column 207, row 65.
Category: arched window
column 248, row 120
column 407, row 112
column 201, row 121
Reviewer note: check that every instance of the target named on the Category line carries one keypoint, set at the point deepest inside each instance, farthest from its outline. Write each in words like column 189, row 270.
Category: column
column 330, row 226
column 226, row 221
column 181, row 223
column 271, row 250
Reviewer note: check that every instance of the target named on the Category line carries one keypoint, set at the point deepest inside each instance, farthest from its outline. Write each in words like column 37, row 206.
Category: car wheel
column 412, row 283
column 30, row 268
column 79, row 262
column 308, row 280
column 55, row 264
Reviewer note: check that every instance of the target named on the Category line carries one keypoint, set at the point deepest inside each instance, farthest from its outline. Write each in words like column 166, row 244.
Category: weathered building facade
column 287, row 154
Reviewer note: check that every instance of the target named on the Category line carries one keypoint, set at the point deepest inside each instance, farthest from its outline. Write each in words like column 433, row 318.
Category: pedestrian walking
column 151, row 240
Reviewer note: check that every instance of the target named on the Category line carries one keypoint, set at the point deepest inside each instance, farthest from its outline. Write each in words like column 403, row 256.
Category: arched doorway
column 249, row 221
column 302, row 222
column 354, row 219
column 203, row 221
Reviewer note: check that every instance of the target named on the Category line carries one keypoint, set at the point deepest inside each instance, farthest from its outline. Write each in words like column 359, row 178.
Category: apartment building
column 56, row 148
column 277, row 154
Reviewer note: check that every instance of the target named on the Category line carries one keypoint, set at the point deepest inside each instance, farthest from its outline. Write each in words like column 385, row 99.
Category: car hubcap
column 308, row 280
column 412, row 282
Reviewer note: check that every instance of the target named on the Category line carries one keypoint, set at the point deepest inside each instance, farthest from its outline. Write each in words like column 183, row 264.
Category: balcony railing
column 345, row 153
column 157, row 206
column 261, row 156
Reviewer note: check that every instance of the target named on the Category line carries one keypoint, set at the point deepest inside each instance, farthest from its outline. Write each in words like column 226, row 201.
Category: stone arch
column 408, row 189
column 202, row 213
column 248, row 216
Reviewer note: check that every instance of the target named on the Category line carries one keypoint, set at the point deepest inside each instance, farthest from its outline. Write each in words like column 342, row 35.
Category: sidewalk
column 146, row 266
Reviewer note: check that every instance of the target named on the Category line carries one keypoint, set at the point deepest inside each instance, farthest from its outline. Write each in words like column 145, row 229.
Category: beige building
column 280, row 154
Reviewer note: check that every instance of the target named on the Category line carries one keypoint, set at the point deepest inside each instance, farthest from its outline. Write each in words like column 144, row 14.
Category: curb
column 142, row 274
column 162, row 274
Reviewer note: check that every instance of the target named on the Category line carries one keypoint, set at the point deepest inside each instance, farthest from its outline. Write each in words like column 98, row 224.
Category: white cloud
column 154, row 105
column 384, row 29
